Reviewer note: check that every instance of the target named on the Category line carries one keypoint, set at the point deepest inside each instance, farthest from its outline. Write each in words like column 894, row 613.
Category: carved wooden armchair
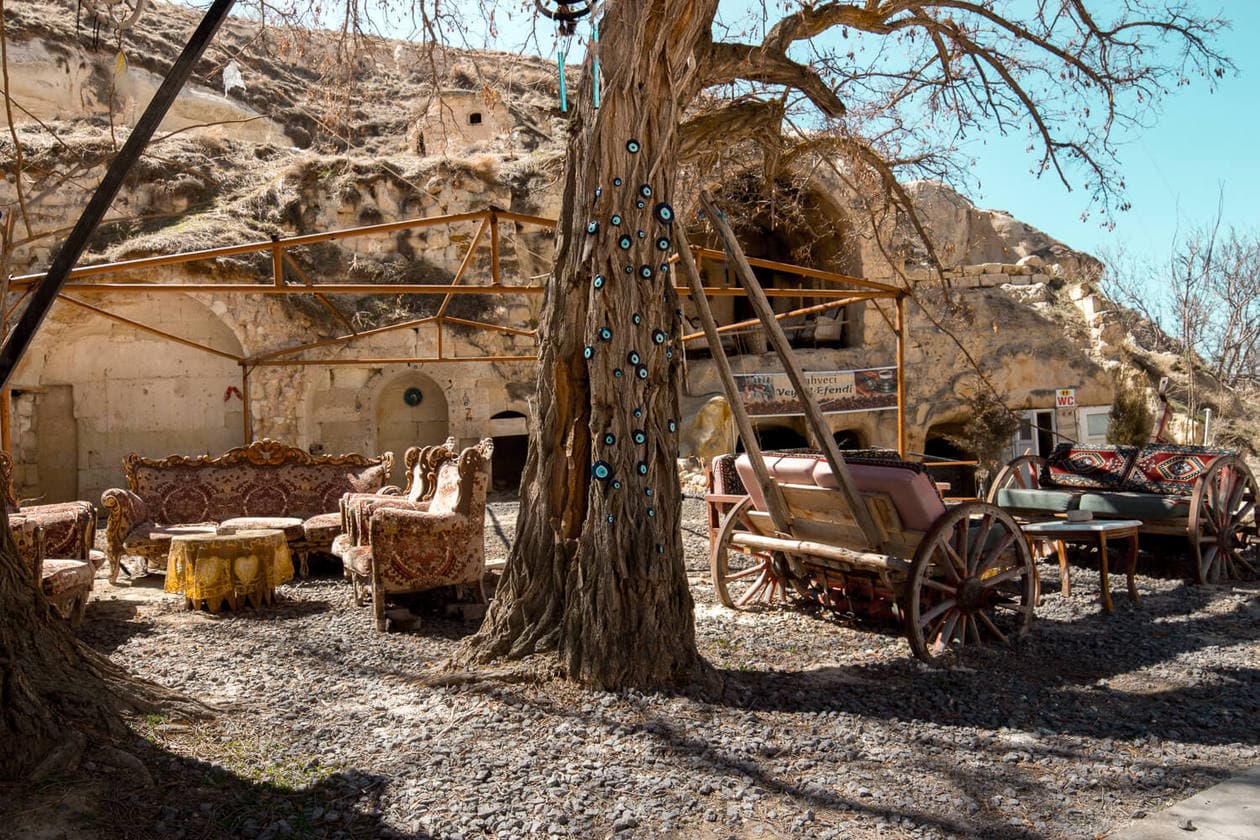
column 422, row 464
column 69, row 528
column 409, row 550
column 66, row 582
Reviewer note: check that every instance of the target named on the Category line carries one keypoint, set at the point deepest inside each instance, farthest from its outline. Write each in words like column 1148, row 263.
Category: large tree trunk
column 596, row 573
column 56, row 696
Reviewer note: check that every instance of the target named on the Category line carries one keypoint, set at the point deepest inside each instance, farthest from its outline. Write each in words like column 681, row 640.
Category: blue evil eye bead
column 617, row 373
column 625, row 242
column 664, row 268
column 592, row 227
column 632, row 146
column 642, row 468
column 645, row 191
column 640, row 204
column 640, row 437
column 638, row 412
column 647, row 491
column 611, row 519
column 599, row 191
column 614, row 220
column 643, row 234
column 662, row 243
column 599, row 281
column 641, row 372
column 601, row 470
column 616, row 485
column 645, row 271
column 660, row 549
column 658, row 336
column 673, row 427
column 616, row 182
column 588, row 351
column 663, row 213
column 610, row 439
column 669, row 352
column 605, row 334
column 629, row 269
column 637, row 318
column 651, row 511
column 632, row 357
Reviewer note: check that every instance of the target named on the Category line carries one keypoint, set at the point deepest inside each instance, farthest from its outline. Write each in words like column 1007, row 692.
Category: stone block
column 988, row 280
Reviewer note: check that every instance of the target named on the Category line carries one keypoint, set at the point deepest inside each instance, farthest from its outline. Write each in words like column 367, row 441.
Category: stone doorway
column 511, row 445
column 57, row 444
column 411, row 411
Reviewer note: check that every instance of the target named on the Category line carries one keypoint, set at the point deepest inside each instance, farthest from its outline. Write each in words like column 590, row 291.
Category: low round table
column 1095, row 531
column 232, row 567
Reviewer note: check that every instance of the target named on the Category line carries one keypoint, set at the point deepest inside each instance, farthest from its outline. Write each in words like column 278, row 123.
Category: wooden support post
column 494, row 246
column 246, row 419
column 813, row 414
column 277, row 262
column 6, row 415
column 901, row 377
column 774, row 498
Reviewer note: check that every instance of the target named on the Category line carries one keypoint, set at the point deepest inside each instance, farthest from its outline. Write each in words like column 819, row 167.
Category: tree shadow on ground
column 1063, row 683
column 188, row 799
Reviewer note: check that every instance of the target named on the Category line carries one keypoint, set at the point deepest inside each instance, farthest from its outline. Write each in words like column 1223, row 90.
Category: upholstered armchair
column 409, row 550
column 69, row 528
column 66, row 582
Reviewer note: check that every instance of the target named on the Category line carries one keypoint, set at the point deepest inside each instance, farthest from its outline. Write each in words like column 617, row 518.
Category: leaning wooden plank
column 813, row 414
column 774, row 501
column 866, row 559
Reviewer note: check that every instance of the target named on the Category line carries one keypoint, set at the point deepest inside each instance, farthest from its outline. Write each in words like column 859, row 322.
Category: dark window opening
column 474, row 118
column 960, row 478
column 847, row 439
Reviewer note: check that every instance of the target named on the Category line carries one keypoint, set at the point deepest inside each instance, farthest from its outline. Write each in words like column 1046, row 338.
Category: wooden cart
column 877, row 534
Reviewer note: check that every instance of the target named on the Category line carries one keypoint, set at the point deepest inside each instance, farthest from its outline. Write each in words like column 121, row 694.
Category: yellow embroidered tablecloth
column 228, row 567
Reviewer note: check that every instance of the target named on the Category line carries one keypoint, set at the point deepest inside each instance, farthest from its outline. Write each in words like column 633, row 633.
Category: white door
column 1092, row 424
column 1036, row 434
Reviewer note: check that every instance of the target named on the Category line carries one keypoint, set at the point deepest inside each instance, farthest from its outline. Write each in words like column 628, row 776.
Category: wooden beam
column 71, row 250
column 901, row 377
column 463, row 266
column 753, row 322
column 810, row 548
column 813, row 414
column 802, row 271
column 327, row 289
column 403, row 360
column 775, row 505
column 147, row 329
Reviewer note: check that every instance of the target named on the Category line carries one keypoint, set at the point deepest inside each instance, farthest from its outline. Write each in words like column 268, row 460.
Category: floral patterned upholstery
column 69, row 527
column 264, row 479
column 412, row 550
column 66, row 582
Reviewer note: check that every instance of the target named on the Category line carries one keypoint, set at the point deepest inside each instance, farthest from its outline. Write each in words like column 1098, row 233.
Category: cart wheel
column 1223, row 520
column 1023, row 473
column 743, row 578
column 972, row 581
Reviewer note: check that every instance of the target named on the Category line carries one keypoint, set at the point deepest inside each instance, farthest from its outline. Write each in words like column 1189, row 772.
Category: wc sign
column 1065, row 398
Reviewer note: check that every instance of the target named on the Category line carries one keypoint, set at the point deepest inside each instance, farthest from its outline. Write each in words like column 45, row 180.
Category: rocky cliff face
column 421, row 135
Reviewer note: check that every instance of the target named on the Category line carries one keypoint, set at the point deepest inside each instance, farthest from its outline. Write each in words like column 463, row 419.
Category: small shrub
column 1131, row 418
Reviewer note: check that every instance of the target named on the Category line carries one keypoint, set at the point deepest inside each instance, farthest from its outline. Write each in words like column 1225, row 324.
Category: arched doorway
column 511, row 445
column 410, row 411
column 939, row 447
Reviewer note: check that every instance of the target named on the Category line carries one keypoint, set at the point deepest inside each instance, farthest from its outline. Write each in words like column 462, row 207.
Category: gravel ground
column 827, row 728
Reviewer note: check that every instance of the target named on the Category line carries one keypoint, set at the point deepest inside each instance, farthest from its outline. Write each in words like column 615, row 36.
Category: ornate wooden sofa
column 411, row 546
column 266, row 484
column 1204, row 494
column 69, row 528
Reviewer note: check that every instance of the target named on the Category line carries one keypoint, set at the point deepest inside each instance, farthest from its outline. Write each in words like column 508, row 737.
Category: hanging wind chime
column 566, row 14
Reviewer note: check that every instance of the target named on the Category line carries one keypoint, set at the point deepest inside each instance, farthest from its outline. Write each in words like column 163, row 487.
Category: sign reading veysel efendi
column 837, row 391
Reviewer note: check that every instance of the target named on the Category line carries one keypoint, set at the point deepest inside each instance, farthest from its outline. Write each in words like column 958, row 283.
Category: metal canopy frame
column 289, row 278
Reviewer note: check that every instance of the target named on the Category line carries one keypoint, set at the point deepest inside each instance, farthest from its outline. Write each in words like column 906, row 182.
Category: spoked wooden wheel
column 972, row 582
column 1023, row 473
column 1223, row 522
column 744, row 578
